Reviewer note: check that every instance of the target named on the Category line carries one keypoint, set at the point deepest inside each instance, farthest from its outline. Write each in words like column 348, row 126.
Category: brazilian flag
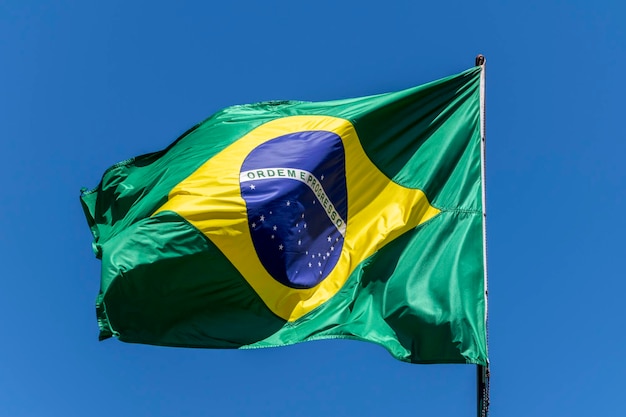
column 281, row 222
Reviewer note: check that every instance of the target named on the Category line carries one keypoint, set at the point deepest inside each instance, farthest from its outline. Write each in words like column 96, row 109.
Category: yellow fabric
column 379, row 210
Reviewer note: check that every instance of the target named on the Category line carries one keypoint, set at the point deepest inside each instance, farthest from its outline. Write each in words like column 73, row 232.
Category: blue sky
column 86, row 84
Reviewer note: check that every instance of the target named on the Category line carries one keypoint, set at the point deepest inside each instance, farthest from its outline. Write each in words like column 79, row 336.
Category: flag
column 281, row 222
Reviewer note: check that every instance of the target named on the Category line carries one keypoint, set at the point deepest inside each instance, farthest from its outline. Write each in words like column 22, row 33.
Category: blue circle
column 295, row 224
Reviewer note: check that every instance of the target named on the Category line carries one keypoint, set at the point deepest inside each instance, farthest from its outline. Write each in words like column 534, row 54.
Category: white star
column 270, row 212
column 253, row 225
column 313, row 201
column 303, row 215
column 299, row 242
column 306, row 253
column 313, row 256
column 319, row 255
column 322, row 178
column 280, row 247
column 305, row 225
column 262, row 218
column 327, row 254
column 288, row 203
column 329, row 238
column 252, row 187
column 274, row 228
column 272, row 236
column 332, row 248
column 310, row 264
column 337, row 240
column 320, row 272
column 323, row 257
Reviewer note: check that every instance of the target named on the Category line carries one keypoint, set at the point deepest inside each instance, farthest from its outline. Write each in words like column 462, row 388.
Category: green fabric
column 421, row 296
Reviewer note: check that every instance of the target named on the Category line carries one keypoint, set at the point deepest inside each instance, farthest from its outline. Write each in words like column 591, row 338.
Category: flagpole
column 482, row 371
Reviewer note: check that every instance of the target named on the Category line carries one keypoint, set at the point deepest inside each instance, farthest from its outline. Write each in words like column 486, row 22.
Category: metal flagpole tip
column 480, row 60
